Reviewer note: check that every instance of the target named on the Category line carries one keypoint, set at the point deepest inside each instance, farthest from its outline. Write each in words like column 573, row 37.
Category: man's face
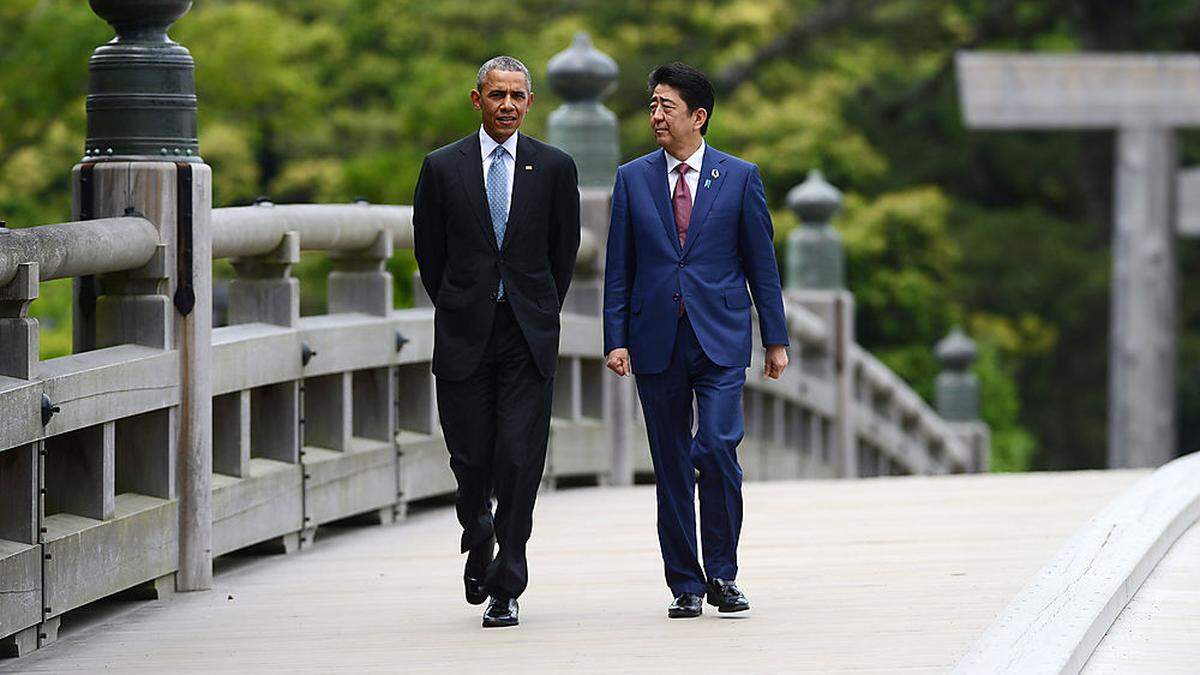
column 503, row 101
column 673, row 126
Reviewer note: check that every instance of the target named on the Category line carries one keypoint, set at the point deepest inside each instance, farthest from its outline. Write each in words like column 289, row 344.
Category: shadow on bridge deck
column 879, row 574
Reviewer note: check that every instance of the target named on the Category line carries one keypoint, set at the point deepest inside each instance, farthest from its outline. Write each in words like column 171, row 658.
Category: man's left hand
column 776, row 362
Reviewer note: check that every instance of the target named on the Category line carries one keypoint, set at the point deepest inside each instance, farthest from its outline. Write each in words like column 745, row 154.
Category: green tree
column 327, row 100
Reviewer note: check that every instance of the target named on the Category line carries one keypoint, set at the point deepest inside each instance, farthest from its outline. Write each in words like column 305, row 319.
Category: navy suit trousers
column 678, row 455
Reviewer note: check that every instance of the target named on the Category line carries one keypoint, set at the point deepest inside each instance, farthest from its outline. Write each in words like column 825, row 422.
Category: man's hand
column 618, row 361
column 776, row 361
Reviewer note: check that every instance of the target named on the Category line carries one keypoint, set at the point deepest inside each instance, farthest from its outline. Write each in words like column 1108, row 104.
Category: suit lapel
column 655, row 173
column 523, row 179
column 471, row 172
column 707, row 189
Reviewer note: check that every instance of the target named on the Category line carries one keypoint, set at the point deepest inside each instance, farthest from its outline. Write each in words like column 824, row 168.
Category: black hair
column 692, row 85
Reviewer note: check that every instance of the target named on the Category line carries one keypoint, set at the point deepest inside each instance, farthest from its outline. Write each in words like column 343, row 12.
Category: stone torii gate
column 1145, row 98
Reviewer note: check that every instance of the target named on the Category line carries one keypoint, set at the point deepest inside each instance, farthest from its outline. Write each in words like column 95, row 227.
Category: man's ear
column 476, row 99
column 701, row 116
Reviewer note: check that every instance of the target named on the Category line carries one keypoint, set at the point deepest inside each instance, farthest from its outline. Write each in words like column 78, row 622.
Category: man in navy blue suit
column 689, row 244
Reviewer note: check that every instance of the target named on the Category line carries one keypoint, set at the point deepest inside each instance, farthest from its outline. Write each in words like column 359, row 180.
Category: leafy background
column 1006, row 233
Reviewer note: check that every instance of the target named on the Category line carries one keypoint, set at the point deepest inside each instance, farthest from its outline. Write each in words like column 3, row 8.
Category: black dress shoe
column 476, row 592
column 478, row 560
column 501, row 612
column 725, row 596
column 686, row 606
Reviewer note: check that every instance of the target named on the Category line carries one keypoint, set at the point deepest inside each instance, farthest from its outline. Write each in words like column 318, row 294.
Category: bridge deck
column 882, row 575
column 1157, row 632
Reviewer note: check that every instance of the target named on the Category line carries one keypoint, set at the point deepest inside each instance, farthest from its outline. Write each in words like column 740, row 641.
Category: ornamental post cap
column 141, row 102
column 581, row 72
column 131, row 15
column 956, row 351
column 815, row 201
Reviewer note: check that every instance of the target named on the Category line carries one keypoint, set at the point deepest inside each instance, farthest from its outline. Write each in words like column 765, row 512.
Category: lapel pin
column 707, row 183
column 529, row 167
column 716, row 174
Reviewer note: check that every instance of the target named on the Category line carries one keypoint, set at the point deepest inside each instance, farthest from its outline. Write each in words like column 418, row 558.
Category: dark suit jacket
column 728, row 257
column 461, row 265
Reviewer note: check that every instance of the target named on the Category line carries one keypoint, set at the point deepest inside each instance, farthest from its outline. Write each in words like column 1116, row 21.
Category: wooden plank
column 424, row 466
column 20, row 586
column 21, row 422
column 109, row 384
column 252, row 355
column 345, row 342
column 342, row 484
column 578, row 449
column 1079, row 91
column 90, row 559
column 416, row 327
column 267, row 503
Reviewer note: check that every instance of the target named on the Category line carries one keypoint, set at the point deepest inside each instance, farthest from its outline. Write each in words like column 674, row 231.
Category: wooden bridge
column 164, row 447
column 877, row 575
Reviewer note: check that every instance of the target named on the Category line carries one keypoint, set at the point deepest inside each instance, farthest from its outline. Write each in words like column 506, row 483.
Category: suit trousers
column 678, row 455
column 496, row 423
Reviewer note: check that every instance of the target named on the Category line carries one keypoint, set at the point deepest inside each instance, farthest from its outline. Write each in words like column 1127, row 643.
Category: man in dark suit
column 496, row 226
column 689, row 244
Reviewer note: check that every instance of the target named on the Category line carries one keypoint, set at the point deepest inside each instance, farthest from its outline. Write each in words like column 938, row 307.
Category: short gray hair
column 505, row 63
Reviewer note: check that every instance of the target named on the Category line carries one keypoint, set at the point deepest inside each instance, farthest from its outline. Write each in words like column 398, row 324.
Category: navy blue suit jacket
column 728, row 247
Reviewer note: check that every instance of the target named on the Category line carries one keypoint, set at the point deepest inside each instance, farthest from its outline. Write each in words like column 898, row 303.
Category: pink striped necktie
column 682, row 201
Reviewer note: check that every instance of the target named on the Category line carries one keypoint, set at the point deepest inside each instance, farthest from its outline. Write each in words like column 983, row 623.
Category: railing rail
column 64, row 250
column 256, row 230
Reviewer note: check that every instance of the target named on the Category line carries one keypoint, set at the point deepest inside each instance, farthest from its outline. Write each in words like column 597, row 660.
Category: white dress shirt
column 486, row 146
column 695, row 162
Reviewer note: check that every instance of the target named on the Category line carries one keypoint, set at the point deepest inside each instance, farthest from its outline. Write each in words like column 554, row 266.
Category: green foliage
column 53, row 312
column 1012, row 444
column 1005, row 233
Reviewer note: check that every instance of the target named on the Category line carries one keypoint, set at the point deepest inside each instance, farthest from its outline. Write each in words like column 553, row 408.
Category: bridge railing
column 318, row 418
column 88, row 442
column 898, row 433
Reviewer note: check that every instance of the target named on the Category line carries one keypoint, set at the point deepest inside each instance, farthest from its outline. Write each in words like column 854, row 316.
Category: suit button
column 493, row 295
column 682, row 263
column 675, row 297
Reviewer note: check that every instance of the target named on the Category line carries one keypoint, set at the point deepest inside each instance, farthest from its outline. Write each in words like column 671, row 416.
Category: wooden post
column 1141, row 414
column 18, row 332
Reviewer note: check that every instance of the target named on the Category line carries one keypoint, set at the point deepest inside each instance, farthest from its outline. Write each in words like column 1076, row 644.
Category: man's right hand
column 618, row 361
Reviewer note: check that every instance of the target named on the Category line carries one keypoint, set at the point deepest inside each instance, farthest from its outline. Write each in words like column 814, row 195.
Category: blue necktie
column 497, row 195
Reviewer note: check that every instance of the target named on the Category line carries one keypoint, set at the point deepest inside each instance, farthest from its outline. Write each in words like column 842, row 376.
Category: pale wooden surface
column 1159, row 630
column 891, row 574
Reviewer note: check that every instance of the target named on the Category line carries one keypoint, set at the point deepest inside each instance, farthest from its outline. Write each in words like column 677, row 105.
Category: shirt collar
column 695, row 161
column 487, row 145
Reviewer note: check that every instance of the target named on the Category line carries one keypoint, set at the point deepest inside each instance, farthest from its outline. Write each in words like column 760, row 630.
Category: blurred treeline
column 1005, row 233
